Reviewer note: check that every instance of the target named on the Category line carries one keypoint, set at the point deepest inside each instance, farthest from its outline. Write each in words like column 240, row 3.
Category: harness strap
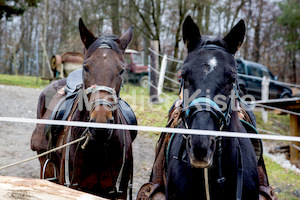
column 205, row 104
column 239, row 186
column 118, row 183
column 99, row 102
column 206, row 183
column 68, row 183
column 95, row 88
column 67, row 159
column 221, row 178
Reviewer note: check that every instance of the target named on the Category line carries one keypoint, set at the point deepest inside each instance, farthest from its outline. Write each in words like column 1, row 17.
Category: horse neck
column 234, row 125
column 117, row 117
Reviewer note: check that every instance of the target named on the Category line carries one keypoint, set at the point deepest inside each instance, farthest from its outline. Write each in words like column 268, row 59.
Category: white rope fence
column 166, row 95
column 156, row 71
column 138, row 128
column 296, row 147
column 273, row 81
column 265, row 131
column 272, row 133
column 151, row 129
column 168, row 57
column 280, row 109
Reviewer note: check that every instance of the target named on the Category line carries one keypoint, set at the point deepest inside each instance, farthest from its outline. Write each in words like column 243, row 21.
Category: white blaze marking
column 212, row 63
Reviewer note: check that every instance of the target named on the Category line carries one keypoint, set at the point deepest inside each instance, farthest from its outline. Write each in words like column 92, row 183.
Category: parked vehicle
column 137, row 72
column 253, row 86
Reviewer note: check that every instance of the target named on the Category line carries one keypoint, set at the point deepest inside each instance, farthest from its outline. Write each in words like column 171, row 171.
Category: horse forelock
column 109, row 40
column 215, row 40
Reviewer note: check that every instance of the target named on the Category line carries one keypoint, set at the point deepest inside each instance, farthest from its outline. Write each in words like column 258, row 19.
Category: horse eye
column 85, row 68
column 121, row 72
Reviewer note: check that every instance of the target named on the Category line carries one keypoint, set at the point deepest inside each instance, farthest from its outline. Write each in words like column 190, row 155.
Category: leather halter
column 206, row 104
column 97, row 102
column 96, row 88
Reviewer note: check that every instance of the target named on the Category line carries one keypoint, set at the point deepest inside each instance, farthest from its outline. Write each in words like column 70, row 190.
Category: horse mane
column 215, row 40
column 109, row 40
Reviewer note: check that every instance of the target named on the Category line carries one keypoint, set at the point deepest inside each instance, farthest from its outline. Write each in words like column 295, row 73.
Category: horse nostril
column 93, row 120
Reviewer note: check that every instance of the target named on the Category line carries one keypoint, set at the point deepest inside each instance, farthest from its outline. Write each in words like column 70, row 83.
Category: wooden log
column 295, row 131
column 37, row 189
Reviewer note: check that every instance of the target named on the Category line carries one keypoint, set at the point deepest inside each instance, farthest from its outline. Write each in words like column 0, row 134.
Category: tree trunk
column 146, row 35
column 294, row 65
column 44, row 36
column 200, row 10
column 257, row 29
column 207, row 17
column 115, row 18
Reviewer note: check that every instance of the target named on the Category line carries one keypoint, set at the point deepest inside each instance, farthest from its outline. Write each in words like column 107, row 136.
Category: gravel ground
column 15, row 138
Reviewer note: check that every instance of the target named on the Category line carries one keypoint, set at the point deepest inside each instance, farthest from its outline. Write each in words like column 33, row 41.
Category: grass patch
column 279, row 124
column 147, row 113
column 285, row 182
column 24, row 81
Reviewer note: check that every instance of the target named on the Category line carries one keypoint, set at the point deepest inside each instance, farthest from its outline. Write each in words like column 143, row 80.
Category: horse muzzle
column 101, row 134
column 200, row 153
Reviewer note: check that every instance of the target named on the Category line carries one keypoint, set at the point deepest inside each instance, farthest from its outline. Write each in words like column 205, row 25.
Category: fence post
column 37, row 60
column 154, row 64
column 265, row 96
column 162, row 75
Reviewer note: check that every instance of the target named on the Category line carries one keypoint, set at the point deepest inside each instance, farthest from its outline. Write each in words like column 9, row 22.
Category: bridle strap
column 202, row 101
column 95, row 88
column 103, row 102
column 215, row 47
column 205, row 104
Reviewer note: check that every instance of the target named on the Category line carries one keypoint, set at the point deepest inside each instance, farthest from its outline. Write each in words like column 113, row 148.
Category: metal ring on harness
column 44, row 171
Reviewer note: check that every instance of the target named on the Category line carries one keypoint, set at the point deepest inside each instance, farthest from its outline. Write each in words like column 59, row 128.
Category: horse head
column 102, row 69
column 208, row 75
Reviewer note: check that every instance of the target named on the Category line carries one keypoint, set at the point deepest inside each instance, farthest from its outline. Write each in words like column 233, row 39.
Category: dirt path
column 15, row 138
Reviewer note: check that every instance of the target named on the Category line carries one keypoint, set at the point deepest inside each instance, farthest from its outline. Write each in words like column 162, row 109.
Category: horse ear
column 235, row 37
column 190, row 33
column 86, row 35
column 125, row 39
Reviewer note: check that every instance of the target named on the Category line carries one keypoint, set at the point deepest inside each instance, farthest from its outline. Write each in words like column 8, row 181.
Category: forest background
column 272, row 37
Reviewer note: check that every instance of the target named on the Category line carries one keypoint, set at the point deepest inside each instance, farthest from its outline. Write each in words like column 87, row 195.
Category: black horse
column 207, row 167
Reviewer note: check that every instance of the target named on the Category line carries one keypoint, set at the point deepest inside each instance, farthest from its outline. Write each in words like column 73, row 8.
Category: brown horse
column 104, row 166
